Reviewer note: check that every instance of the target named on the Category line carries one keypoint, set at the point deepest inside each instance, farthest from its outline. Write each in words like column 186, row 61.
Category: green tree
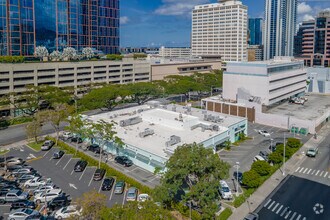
column 181, row 85
column 92, row 204
column 142, row 92
column 105, row 133
column 193, row 174
column 34, row 128
column 251, row 179
column 293, row 143
column 114, row 57
column 275, row 157
column 261, row 167
column 135, row 211
column 76, row 126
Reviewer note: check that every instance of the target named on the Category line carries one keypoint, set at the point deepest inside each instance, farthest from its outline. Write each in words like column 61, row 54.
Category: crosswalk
column 283, row 211
column 309, row 171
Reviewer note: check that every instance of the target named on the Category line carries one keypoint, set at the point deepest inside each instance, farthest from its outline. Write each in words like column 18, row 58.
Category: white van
column 225, row 191
column 257, row 158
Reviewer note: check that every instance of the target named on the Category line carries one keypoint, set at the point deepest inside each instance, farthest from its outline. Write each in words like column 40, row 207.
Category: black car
column 264, row 154
column 7, row 188
column 107, row 184
column 99, row 174
column 58, row 202
column 94, row 148
column 77, row 140
column 238, row 175
column 58, row 154
column 80, row 166
column 23, row 203
column 5, row 183
column 124, row 161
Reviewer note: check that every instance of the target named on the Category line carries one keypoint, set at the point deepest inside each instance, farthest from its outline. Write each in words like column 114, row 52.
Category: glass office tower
column 25, row 24
column 255, row 31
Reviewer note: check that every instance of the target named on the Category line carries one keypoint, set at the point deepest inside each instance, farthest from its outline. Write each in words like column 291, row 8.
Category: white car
column 44, row 188
column 68, row 211
column 258, row 158
column 67, row 135
column 225, row 191
column 36, row 182
column 143, row 197
column 49, row 195
column 24, row 213
column 264, row 133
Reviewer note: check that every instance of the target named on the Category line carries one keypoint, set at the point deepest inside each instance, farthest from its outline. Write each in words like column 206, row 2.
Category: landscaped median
column 261, row 170
column 35, row 146
column 93, row 162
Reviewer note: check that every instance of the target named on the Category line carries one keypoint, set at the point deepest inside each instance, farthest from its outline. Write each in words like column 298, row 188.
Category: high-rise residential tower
column 25, row 24
column 279, row 29
column 220, row 29
column 255, row 31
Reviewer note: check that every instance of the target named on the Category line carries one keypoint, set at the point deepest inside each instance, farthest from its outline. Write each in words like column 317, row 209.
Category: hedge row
column 110, row 171
column 11, row 59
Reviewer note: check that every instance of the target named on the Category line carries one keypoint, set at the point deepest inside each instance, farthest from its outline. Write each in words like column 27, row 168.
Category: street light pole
column 237, row 166
column 284, row 157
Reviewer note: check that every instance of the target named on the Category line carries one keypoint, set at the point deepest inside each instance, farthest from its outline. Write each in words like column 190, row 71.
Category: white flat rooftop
column 165, row 122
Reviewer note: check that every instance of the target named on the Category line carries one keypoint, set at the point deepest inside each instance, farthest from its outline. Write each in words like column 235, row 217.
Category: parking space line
column 275, row 207
column 298, row 217
column 124, row 197
column 287, row 215
column 60, row 160
column 113, row 189
column 67, row 163
column 267, row 202
column 83, row 173
column 72, row 172
column 279, row 209
column 294, row 214
column 101, row 185
column 309, row 171
column 297, row 169
column 271, row 205
column 313, row 172
column 90, row 181
column 46, row 153
column 325, row 174
column 321, row 173
column 317, row 172
column 305, row 170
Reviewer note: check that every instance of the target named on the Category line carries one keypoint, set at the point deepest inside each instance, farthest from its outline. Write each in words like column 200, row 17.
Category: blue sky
column 168, row 22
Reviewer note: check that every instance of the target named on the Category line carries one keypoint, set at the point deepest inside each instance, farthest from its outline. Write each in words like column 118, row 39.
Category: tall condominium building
column 220, row 29
column 255, row 31
column 279, row 29
column 25, row 24
column 315, row 40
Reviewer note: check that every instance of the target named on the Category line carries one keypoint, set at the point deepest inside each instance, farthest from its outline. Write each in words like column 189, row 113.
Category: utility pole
column 237, row 166
column 284, row 157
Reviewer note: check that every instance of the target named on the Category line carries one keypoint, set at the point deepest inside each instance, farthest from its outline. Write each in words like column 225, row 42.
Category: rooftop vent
column 146, row 133
column 212, row 118
column 173, row 140
column 130, row 121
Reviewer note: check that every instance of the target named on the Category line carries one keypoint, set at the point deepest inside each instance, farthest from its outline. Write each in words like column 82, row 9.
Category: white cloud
column 304, row 8
column 124, row 20
column 178, row 7
column 308, row 17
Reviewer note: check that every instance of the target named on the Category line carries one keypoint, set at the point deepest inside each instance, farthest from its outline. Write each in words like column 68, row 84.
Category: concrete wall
column 160, row 71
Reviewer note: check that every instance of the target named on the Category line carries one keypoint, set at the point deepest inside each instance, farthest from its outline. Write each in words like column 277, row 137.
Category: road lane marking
column 317, row 172
column 271, row 205
column 297, row 169
column 321, row 173
column 325, row 175
column 298, row 217
column 287, row 215
column 67, row 163
column 284, row 210
column 83, row 173
column 313, row 172
column 113, row 189
column 305, row 170
column 267, row 202
column 309, row 171
column 294, row 214
column 301, row 170
column 275, row 207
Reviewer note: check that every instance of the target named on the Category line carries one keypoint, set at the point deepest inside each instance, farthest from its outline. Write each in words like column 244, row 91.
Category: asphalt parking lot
column 246, row 151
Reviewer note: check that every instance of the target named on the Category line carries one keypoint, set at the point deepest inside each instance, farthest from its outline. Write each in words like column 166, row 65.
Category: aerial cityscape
column 165, row 109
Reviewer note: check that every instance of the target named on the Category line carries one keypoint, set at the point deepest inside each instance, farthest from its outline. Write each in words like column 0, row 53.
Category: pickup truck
column 13, row 196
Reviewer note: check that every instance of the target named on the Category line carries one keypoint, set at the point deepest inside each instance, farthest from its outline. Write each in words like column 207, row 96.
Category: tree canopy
column 193, row 175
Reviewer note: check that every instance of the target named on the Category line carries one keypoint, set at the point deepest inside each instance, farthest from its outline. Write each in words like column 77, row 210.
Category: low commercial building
column 255, row 53
column 318, row 80
column 185, row 67
column 264, row 82
column 175, row 52
column 152, row 132
column 14, row 77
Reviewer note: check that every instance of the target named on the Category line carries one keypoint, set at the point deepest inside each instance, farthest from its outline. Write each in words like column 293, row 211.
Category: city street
column 306, row 192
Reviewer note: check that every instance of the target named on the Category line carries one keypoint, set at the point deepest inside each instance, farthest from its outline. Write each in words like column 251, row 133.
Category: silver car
column 23, row 213
column 132, row 194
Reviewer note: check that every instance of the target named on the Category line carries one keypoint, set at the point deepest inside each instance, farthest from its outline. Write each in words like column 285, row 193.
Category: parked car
column 225, row 191
column 68, row 211
column 107, row 184
column 14, row 161
column 17, row 167
column 58, row 202
column 312, row 152
column 47, row 145
column 7, row 188
column 5, row 183
column 252, row 216
column 238, row 175
column 67, row 135
column 257, row 158
column 48, row 195
column 264, row 154
column 44, row 188
column 58, row 154
column 124, row 161
column 99, row 174
column 132, row 194
column 119, row 187
column 36, row 182
column 22, row 171
column 76, row 139
column 23, row 214
column 80, row 166
column 23, row 203
column 13, row 196
column 94, row 148
column 27, row 177
column 143, row 197
column 264, row 133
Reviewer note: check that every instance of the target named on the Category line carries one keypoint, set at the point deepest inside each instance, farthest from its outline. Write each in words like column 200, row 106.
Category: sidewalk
column 268, row 186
